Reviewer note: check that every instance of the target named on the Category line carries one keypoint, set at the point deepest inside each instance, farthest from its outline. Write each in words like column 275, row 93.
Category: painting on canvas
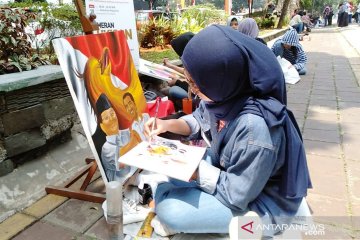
column 108, row 97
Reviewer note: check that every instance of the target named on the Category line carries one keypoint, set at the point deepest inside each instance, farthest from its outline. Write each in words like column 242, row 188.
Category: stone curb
column 270, row 36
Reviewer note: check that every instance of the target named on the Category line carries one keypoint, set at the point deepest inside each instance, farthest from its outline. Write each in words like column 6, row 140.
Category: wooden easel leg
column 81, row 194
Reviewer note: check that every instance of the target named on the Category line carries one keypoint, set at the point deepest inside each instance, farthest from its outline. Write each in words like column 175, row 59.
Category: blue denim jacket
column 245, row 169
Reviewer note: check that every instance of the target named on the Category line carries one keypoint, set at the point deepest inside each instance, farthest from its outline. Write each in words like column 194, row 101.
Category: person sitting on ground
column 233, row 22
column 294, row 13
column 256, row 161
column 307, row 23
column 296, row 23
column 289, row 47
column 178, row 87
column 248, row 26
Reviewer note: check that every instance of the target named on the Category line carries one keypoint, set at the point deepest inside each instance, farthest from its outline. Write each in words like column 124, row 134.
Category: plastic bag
column 291, row 74
column 166, row 108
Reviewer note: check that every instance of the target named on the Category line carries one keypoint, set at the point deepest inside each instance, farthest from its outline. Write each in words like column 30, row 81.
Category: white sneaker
column 161, row 229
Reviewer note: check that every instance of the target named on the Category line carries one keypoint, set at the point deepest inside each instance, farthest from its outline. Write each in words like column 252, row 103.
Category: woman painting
column 256, row 162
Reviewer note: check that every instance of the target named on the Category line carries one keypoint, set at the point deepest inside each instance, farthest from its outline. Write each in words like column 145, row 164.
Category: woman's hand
column 166, row 61
column 160, row 126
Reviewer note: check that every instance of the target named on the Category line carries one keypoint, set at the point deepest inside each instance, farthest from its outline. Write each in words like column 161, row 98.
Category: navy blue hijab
column 242, row 75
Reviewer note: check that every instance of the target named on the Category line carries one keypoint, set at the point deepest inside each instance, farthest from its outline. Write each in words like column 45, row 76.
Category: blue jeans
column 298, row 27
column 177, row 92
column 184, row 207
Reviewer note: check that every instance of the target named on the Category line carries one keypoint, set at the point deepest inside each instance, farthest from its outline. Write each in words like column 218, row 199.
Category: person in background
column 330, row 17
column 270, row 8
column 343, row 16
column 326, row 13
column 233, row 22
column 256, row 162
column 248, row 26
column 178, row 87
column 289, row 47
column 306, row 20
column 296, row 23
column 349, row 9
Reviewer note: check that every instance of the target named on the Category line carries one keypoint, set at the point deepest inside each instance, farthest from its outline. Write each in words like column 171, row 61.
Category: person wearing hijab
column 256, row 162
column 289, row 47
column 178, row 87
column 248, row 26
column 233, row 22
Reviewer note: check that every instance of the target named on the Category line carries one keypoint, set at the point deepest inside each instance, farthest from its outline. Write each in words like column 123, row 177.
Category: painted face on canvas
column 130, row 106
column 109, row 122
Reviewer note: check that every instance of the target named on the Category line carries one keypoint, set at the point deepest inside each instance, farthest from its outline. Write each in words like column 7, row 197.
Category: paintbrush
column 158, row 99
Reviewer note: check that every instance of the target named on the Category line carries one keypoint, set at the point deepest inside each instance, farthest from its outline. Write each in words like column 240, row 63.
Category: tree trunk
column 284, row 11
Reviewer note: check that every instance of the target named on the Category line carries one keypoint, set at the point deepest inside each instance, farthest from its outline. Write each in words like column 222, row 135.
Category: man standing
column 326, row 13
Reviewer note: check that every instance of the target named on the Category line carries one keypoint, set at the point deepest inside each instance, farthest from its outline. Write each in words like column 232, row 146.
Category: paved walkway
column 326, row 103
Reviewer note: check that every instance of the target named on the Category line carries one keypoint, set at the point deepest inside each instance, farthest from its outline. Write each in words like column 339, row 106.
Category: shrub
column 157, row 32
column 204, row 15
column 40, row 24
column 15, row 49
column 265, row 23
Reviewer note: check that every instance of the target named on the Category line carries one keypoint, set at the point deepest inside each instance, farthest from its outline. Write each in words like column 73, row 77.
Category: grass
column 157, row 56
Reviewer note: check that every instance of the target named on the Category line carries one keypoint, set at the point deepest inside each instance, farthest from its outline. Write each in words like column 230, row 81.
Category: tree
column 284, row 11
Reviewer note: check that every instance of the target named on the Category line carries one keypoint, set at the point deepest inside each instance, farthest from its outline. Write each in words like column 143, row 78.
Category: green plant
column 204, row 14
column 15, row 49
column 52, row 22
column 265, row 23
column 157, row 32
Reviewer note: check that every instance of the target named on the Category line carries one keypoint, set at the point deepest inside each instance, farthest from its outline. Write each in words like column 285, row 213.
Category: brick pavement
column 326, row 103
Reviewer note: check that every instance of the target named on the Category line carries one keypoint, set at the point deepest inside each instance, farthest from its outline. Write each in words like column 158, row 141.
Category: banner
column 114, row 15
column 108, row 96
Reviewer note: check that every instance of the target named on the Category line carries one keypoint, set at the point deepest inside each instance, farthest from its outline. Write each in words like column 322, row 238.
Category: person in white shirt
column 296, row 23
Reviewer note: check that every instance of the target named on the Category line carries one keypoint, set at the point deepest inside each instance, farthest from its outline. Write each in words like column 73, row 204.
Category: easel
column 81, row 194
column 88, row 26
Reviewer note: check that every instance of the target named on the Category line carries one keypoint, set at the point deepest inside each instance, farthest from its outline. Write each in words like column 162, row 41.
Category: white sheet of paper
column 168, row 157
column 156, row 70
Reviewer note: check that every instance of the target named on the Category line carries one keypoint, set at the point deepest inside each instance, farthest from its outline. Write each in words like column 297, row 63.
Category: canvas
column 167, row 157
column 108, row 97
